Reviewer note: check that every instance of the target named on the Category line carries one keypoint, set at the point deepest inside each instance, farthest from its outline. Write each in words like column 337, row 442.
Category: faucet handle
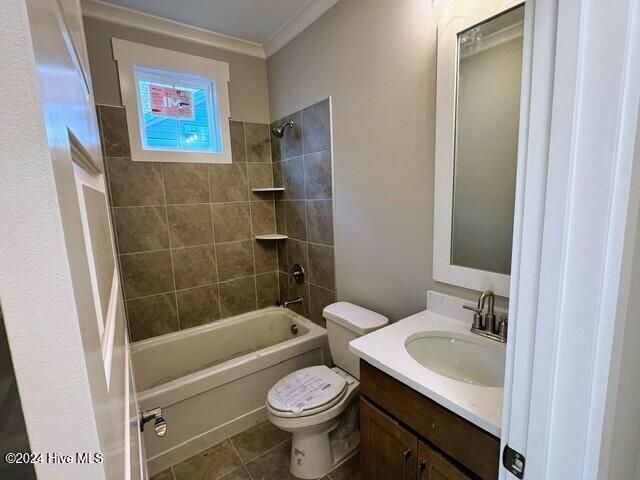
column 472, row 308
column 477, row 317
column 503, row 327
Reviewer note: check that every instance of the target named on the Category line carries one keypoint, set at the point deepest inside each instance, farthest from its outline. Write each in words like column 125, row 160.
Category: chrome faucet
column 488, row 327
column 292, row 302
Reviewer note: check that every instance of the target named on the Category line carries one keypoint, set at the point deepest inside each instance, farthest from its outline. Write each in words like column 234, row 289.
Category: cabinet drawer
column 466, row 443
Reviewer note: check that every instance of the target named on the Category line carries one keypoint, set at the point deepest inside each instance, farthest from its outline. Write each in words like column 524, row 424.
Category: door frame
column 72, row 403
column 570, row 281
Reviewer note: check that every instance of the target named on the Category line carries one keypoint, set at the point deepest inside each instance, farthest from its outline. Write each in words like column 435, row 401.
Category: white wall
column 377, row 59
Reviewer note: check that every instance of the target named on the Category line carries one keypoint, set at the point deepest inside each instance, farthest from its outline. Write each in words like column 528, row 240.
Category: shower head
column 279, row 131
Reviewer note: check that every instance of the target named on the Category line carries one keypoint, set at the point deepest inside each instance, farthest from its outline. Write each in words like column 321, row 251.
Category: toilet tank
column 346, row 322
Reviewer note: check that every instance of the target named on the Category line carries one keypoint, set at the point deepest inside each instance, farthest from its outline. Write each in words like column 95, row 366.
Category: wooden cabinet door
column 388, row 450
column 433, row 466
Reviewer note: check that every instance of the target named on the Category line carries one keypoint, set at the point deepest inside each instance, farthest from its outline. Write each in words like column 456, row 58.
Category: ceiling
column 253, row 20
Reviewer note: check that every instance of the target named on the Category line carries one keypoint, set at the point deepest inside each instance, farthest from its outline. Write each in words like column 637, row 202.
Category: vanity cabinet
column 406, row 435
column 391, row 451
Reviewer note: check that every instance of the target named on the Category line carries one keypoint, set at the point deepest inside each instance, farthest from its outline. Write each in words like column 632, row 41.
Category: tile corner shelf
column 272, row 236
column 268, row 189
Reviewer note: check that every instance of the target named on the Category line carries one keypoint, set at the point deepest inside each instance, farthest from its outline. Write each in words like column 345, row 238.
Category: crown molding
column 305, row 17
column 108, row 12
column 143, row 21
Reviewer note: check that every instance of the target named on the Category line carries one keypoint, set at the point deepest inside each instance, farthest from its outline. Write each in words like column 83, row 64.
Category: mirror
column 486, row 142
column 479, row 69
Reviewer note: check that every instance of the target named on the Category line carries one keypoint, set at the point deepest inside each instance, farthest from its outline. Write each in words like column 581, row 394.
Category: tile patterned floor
column 260, row 453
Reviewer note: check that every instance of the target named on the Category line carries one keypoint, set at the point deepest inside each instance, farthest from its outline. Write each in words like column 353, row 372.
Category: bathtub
column 212, row 381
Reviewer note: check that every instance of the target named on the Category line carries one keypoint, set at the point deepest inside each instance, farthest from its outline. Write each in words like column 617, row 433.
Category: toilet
column 319, row 405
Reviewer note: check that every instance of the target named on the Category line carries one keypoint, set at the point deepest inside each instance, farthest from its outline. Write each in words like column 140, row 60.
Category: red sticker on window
column 171, row 102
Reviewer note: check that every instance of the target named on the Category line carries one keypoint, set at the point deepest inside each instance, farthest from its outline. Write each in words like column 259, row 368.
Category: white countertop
column 385, row 350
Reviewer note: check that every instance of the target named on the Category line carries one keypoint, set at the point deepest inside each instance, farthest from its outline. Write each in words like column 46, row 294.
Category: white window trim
column 459, row 17
column 128, row 54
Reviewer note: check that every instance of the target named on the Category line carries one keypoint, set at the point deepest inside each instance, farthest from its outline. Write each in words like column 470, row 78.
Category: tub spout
column 287, row 303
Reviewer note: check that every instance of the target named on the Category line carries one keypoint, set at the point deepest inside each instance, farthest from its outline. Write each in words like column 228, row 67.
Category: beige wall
column 247, row 90
column 377, row 60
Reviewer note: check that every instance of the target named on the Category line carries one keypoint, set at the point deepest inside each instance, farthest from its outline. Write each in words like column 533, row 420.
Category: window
column 177, row 104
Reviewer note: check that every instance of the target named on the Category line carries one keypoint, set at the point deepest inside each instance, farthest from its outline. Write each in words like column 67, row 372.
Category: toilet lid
column 306, row 389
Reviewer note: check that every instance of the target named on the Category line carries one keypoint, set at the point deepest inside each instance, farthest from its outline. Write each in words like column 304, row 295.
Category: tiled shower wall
column 184, row 231
column 304, row 211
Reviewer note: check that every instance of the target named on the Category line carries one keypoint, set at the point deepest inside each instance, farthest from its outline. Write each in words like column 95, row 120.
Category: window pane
column 178, row 112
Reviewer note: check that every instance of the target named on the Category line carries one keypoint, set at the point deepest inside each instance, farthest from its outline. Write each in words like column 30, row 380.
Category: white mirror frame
column 457, row 18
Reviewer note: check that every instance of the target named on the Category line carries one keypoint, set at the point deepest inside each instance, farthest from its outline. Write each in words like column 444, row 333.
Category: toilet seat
column 307, row 391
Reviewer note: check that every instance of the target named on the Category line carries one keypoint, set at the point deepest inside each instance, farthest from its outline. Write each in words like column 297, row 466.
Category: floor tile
column 258, row 440
column 239, row 474
column 273, row 465
column 212, row 464
column 350, row 470
column 164, row 475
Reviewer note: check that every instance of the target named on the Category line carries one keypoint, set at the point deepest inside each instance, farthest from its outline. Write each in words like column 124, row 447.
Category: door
column 388, row 449
column 64, row 309
column 434, row 466
column 573, row 260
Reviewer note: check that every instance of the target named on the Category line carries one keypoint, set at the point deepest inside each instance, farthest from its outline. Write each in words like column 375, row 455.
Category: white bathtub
column 211, row 381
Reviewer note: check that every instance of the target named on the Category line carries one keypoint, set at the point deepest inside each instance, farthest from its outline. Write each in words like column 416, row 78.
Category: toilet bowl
column 319, row 405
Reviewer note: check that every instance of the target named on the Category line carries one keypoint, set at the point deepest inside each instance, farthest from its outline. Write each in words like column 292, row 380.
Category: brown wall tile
column 319, row 298
column 263, row 218
column 299, row 290
column 190, row 225
column 260, row 176
column 152, row 316
column 283, row 259
column 198, row 306
column 237, row 296
column 134, row 183
column 276, row 143
column 317, row 132
column 291, row 142
column 193, row 221
column 186, row 183
column 266, row 256
column 306, row 213
column 231, row 221
column 235, row 259
column 278, row 175
column 297, row 253
column 238, row 151
column 321, row 266
column 141, row 229
column 283, row 286
column 146, row 273
column 320, row 221
column 317, row 175
column 194, row 266
column 257, row 142
column 296, row 219
column 228, row 183
column 267, row 289
column 281, row 219
column 293, row 178
column 115, row 136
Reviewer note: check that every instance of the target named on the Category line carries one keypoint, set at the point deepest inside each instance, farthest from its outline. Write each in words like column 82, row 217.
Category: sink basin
column 476, row 361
